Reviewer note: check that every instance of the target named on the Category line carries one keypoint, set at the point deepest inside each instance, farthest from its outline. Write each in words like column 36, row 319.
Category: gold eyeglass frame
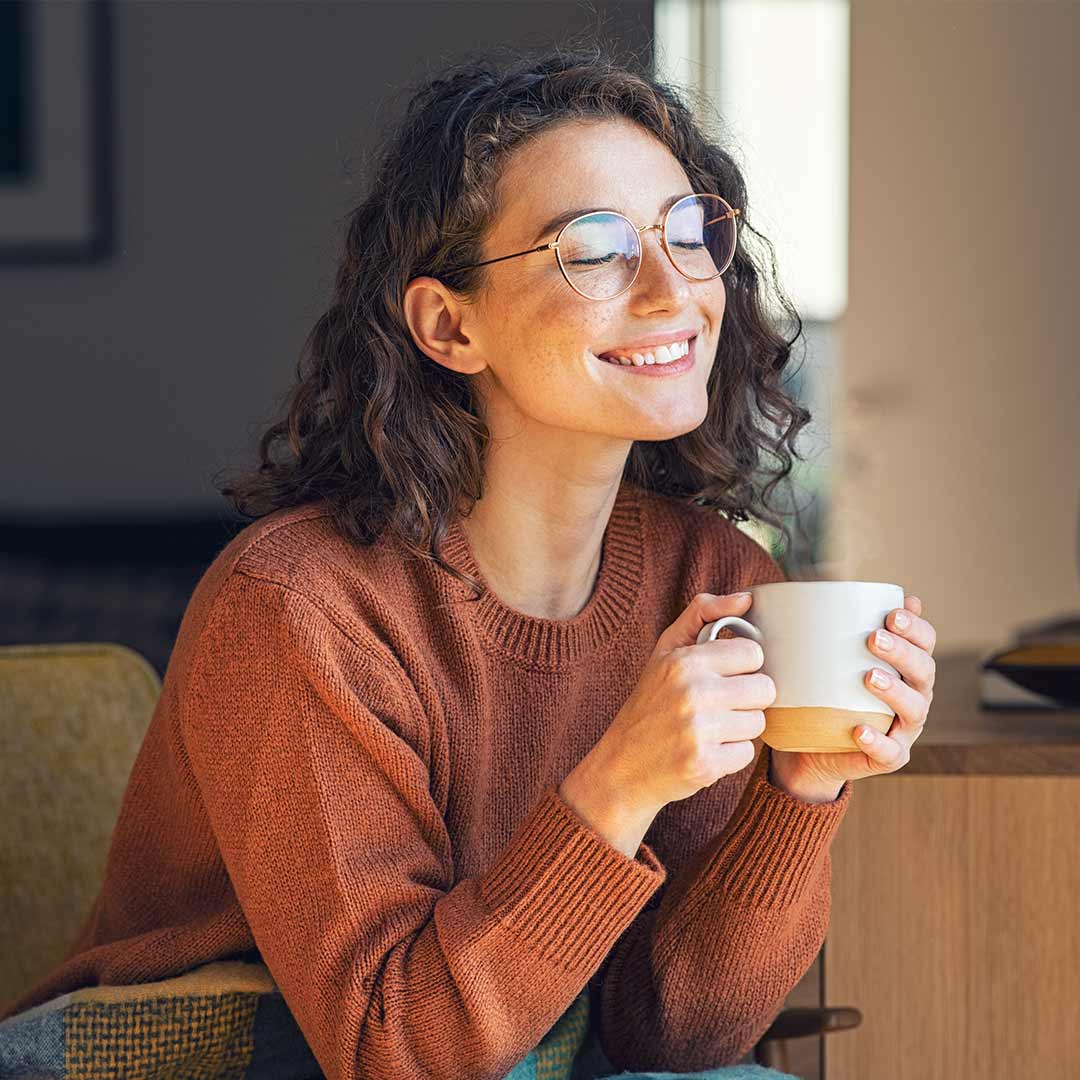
column 662, row 227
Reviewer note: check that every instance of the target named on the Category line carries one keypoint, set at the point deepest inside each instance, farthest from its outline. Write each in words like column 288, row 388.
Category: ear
column 434, row 316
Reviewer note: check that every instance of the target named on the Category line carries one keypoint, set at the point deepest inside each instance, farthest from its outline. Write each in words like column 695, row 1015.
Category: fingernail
column 739, row 595
column 882, row 640
column 901, row 620
column 879, row 679
column 867, row 735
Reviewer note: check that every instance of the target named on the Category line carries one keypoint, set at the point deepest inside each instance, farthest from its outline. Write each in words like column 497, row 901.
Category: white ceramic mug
column 814, row 635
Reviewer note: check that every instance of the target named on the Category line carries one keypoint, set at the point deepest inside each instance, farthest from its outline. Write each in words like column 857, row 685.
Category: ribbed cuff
column 562, row 888
column 773, row 845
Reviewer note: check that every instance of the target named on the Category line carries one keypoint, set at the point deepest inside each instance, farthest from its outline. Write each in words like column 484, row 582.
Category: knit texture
column 352, row 772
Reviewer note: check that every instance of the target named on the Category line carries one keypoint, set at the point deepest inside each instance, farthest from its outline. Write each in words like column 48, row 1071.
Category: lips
column 663, row 354
column 657, row 370
column 646, row 343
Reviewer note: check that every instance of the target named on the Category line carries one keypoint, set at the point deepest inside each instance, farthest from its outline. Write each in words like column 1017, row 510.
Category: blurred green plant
column 801, row 503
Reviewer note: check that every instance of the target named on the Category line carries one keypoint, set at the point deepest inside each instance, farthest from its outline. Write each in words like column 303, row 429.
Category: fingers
column 916, row 629
column 908, row 656
column 893, row 751
column 728, row 656
column 739, row 725
column 906, row 701
column 886, row 753
column 912, row 639
column 702, row 609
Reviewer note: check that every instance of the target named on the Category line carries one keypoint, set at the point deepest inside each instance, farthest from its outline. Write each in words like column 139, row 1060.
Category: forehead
column 613, row 163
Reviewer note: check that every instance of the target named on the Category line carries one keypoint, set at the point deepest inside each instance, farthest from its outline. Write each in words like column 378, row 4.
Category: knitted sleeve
column 704, row 970
column 305, row 744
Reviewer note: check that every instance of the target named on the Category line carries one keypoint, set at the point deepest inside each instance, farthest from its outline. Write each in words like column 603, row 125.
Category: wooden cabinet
column 955, row 925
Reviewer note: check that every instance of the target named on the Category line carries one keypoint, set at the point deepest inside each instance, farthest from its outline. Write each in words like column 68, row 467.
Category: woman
column 423, row 712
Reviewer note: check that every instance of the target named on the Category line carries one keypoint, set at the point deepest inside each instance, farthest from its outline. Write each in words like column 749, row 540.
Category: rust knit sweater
column 353, row 769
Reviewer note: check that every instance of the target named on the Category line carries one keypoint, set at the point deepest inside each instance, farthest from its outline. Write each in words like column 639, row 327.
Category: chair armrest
column 772, row 1049
column 794, row 1023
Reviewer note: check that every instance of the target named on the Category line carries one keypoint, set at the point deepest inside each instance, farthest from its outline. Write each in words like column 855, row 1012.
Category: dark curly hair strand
column 389, row 438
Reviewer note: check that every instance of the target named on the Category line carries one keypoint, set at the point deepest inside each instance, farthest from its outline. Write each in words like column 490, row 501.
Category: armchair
column 72, row 718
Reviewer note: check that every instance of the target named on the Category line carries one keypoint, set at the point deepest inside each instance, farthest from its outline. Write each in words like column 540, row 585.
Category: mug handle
column 741, row 627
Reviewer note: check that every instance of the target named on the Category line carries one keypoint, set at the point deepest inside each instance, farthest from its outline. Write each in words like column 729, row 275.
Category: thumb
column 704, row 608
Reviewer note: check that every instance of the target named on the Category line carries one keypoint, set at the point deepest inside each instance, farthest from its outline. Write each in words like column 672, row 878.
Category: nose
column 658, row 279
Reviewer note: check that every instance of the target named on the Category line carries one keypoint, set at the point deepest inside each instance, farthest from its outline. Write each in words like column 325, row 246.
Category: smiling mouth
column 655, row 355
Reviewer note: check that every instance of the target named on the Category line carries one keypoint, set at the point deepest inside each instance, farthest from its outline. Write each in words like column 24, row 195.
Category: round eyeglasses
column 599, row 253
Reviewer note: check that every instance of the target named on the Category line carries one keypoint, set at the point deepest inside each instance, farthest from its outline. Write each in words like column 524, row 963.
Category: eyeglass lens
column 600, row 252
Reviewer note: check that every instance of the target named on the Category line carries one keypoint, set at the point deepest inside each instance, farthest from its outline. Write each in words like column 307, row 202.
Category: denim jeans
column 591, row 1063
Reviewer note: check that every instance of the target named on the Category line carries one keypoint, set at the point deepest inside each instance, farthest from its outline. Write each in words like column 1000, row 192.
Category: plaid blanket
column 223, row 1020
column 227, row 1020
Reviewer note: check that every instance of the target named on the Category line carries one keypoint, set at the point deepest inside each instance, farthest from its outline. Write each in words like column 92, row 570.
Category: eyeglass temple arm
column 542, row 247
column 722, row 217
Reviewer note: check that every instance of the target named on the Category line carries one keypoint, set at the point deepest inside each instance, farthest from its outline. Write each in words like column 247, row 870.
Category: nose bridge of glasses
column 661, row 243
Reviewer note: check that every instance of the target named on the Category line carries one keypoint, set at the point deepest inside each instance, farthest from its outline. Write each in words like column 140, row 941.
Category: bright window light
column 776, row 72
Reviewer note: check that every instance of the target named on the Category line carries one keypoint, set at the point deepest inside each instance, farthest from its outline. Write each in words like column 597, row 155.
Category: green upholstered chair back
column 72, row 719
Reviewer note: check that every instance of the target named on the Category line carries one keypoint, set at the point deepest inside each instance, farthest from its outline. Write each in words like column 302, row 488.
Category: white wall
column 956, row 417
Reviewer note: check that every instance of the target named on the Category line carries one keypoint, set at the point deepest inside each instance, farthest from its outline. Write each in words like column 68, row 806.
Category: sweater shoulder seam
column 375, row 647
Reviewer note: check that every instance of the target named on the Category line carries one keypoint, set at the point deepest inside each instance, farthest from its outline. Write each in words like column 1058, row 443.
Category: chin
column 654, row 432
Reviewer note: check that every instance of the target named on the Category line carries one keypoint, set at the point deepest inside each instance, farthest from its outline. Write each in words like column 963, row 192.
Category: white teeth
column 664, row 354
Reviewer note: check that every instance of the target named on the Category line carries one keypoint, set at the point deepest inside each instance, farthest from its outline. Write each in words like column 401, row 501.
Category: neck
column 538, row 541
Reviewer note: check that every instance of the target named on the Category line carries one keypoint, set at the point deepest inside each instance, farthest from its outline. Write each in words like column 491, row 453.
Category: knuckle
column 743, row 654
column 751, row 691
column 695, row 761
column 759, row 721
column 698, row 728
column 767, row 689
column 686, row 717
column 675, row 667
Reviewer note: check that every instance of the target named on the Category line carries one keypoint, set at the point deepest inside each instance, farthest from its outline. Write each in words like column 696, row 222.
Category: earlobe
column 433, row 316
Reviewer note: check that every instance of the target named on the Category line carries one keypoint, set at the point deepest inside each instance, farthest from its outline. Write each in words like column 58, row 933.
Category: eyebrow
column 568, row 215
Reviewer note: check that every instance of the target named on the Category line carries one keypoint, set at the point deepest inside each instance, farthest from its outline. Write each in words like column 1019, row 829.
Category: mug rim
column 846, row 584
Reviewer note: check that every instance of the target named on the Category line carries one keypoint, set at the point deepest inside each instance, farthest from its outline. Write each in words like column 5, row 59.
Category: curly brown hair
column 388, row 439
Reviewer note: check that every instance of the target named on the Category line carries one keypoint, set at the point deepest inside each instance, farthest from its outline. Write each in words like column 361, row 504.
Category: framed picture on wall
column 56, row 178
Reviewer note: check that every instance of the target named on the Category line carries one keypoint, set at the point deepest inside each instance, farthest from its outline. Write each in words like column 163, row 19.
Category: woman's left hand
column 821, row 775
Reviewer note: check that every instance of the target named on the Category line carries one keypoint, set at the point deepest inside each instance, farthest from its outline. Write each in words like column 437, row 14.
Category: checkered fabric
column 221, row 1021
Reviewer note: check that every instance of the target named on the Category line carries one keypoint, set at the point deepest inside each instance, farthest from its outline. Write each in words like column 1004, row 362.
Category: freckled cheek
column 558, row 334
column 716, row 299
column 565, row 313
column 539, row 284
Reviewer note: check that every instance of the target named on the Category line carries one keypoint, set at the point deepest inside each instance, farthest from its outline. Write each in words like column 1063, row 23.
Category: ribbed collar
column 551, row 644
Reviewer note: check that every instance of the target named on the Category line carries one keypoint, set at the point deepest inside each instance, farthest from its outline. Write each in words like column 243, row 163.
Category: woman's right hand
column 695, row 710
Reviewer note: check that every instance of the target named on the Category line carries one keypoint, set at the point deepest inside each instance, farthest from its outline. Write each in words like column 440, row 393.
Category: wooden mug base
column 819, row 729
